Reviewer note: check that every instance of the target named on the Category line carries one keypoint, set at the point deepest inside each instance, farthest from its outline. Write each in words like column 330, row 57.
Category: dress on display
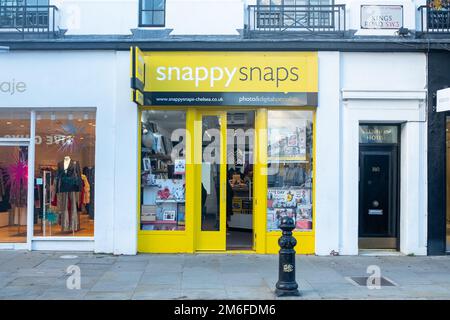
column 68, row 186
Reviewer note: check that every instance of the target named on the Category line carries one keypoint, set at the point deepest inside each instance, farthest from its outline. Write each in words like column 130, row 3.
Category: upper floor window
column 24, row 13
column 152, row 13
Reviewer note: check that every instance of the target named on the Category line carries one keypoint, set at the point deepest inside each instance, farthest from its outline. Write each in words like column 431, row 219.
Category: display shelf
column 156, row 155
column 170, row 201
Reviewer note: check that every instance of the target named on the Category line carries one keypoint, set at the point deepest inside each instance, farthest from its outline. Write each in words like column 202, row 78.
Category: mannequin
column 68, row 186
column 66, row 163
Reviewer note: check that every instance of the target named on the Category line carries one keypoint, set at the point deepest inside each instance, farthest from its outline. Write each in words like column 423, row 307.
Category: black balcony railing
column 29, row 19
column 263, row 19
column 434, row 20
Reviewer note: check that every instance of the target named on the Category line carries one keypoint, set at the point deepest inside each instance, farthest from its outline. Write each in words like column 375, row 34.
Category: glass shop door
column 210, row 166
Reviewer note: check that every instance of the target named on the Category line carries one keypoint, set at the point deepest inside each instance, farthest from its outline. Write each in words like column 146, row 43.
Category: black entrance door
column 378, row 205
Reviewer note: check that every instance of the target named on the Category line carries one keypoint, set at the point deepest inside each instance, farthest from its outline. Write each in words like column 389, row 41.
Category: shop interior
column 163, row 176
column 240, row 140
column 64, row 183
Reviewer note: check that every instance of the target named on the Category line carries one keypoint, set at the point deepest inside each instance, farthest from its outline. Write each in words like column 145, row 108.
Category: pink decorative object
column 17, row 181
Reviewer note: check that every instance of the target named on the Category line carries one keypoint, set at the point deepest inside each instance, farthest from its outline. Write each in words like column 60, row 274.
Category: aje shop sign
column 381, row 17
column 231, row 78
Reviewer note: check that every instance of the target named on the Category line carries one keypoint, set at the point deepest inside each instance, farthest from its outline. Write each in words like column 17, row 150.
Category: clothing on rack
column 85, row 194
column 89, row 172
column 4, row 201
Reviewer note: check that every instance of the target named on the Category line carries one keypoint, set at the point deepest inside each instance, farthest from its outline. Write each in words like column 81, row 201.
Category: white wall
column 118, row 17
column 89, row 80
column 386, row 87
column 200, row 17
column 99, row 17
column 205, row 17
column 328, row 147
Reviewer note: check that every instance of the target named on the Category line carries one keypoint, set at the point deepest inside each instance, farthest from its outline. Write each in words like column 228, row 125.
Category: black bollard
column 286, row 285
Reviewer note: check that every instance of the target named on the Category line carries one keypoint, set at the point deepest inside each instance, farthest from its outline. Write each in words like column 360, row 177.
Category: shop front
column 227, row 148
column 439, row 153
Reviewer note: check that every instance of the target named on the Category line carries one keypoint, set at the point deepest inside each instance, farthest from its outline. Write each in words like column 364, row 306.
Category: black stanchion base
column 287, row 293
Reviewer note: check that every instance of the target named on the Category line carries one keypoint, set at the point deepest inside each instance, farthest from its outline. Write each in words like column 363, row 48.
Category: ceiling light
column 86, row 116
column 53, row 116
column 8, row 122
column 70, row 116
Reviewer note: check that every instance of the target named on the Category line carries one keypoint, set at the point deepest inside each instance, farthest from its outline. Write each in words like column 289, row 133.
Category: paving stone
column 158, row 292
column 129, row 265
column 41, row 282
column 243, row 279
column 249, row 293
column 117, row 281
column 21, row 292
column 169, row 278
column 197, row 282
column 160, row 267
column 105, row 295
column 64, row 294
column 42, row 275
column 205, row 294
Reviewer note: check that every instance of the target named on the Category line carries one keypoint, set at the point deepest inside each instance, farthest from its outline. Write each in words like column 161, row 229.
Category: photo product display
column 290, row 164
column 288, row 142
column 162, row 172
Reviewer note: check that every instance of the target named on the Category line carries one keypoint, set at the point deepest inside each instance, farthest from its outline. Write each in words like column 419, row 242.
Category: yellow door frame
column 210, row 240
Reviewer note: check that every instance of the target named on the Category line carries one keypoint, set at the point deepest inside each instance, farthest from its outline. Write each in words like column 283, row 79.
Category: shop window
column 152, row 13
column 64, row 174
column 13, row 193
column 163, row 170
column 14, row 124
column 290, row 167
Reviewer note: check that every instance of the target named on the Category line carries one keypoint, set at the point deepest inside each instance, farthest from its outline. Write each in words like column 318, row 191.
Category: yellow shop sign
column 229, row 78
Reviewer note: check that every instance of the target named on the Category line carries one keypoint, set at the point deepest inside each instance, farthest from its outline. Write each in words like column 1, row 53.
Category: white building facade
column 368, row 122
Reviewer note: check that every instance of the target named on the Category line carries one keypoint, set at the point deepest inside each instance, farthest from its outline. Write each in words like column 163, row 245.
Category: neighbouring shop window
column 64, row 174
column 152, row 13
column 13, row 193
column 14, row 124
column 290, row 166
column 163, row 167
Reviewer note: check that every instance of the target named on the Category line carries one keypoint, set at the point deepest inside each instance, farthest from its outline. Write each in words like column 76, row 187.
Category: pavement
column 43, row 276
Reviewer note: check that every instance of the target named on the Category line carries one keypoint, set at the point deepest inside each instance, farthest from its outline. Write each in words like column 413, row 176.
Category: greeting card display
column 179, row 166
column 291, row 202
column 170, row 190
